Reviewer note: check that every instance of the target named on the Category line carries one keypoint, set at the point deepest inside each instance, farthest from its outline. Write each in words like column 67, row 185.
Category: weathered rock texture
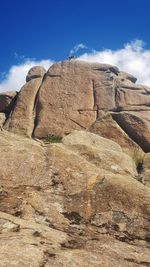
column 71, row 95
column 2, row 119
column 137, row 125
column 74, row 203
column 83, row 200
column 145, row 171
column 22, row 117
column 107, row 127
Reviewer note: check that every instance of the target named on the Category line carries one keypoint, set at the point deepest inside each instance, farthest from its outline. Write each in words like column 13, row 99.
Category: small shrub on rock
column 50, row 138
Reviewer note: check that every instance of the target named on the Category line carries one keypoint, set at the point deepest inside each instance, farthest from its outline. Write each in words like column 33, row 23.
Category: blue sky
column 36, row 30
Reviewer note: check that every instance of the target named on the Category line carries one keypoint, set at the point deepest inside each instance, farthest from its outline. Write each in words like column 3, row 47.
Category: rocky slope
column 75, row 169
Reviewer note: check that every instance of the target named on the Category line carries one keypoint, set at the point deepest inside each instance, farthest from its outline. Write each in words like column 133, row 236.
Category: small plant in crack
column 51, row 138
column 138, row 160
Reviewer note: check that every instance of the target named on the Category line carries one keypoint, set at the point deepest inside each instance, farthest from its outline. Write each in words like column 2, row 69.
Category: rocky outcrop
column 71, row 95
column 71, row 202
column 74, row 179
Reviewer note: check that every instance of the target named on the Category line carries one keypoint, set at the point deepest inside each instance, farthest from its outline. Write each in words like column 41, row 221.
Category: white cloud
column 132, row 58
column 15, row 78
column 77, row 47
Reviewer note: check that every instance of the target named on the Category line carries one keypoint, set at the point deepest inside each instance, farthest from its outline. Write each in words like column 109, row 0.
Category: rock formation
column 72, row 95
column 74, row 169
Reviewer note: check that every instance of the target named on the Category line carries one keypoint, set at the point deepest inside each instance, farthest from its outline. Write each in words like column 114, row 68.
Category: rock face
column 137, row 125
column 107, row 127
column 70, row 203
column 74, row 179
column 73, row 94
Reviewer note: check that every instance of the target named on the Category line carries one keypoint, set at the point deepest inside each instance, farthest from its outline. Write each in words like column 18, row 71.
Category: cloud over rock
column 132, row 58
column 16, row 76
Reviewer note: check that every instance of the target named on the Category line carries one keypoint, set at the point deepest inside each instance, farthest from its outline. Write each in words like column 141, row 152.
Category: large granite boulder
column 73, row 94
column 69, row 97
column 21, row 119
column 35, row 72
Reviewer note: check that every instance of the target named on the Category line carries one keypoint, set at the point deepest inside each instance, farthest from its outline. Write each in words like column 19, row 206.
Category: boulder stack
column 73, row 95
column 74, row 169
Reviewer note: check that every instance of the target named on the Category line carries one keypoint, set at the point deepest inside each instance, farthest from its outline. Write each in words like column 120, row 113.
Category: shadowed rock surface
column 7, row 100
column 35, row 72
column 74, row 179
column 107, row 127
